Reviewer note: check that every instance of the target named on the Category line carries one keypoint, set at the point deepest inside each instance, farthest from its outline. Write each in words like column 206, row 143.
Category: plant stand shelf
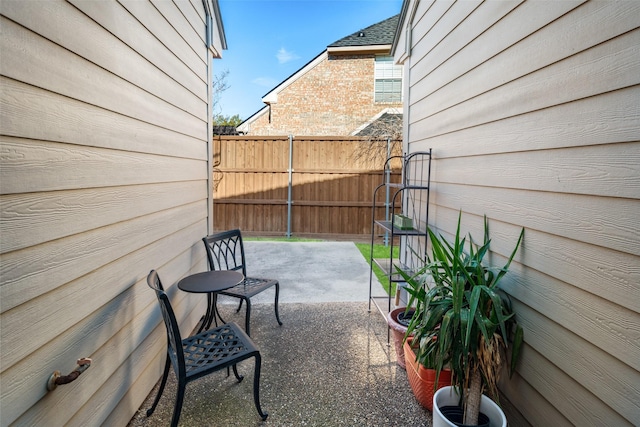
column 404, row 224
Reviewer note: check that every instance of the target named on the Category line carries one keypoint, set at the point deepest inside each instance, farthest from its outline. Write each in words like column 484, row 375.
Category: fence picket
column 332, row 191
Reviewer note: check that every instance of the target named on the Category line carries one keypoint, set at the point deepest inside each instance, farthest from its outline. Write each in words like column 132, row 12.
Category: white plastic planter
column 447, row 396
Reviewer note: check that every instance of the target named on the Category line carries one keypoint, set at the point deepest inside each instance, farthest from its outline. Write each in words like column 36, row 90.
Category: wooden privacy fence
column 326, row 192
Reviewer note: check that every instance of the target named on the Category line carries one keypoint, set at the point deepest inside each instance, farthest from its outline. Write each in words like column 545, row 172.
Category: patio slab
column 328, row 364
column 311, row 271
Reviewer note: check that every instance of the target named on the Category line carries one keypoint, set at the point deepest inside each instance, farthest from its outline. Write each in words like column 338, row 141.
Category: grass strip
column 379, row 252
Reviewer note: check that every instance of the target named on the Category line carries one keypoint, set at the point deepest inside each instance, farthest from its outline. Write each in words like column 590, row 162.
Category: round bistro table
column 210, row 282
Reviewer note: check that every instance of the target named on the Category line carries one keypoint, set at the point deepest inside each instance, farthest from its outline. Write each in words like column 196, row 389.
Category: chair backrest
column 174, row 340
column 225, row 251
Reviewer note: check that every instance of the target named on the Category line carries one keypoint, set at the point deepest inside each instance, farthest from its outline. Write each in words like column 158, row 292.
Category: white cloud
column 285, row 56
column 265, row 81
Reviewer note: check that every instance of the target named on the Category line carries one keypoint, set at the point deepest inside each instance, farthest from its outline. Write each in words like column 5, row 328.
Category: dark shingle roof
column 377, row 34
column 225, row 130
column 383, row 125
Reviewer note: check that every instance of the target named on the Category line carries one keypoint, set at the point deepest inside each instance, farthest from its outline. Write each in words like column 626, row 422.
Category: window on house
column 388, row 80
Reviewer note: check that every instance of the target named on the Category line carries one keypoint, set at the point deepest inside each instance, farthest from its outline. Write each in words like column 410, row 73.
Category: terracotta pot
column 423, row 379
column 398, row 330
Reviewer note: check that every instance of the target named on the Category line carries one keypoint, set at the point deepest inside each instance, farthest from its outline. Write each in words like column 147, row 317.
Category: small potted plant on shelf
column 464, row 323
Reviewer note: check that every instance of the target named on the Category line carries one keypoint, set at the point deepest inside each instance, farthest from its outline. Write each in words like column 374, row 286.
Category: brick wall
column 333, row 98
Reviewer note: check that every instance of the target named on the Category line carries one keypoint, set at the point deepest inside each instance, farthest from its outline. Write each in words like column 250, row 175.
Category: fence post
column 290, row 193
column 387, row 195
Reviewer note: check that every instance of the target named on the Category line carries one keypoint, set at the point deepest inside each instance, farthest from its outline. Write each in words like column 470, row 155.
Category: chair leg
column 256, row 387
column 235, row 372
column 161, row 389
column 239, row 306
column 179, row 399
column 247, row 319
column 276, row 303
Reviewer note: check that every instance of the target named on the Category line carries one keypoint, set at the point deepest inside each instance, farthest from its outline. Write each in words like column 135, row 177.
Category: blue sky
column 268, row 40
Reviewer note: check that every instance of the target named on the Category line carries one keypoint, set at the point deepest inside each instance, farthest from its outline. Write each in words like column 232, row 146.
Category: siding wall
column 533, row 113
column 104, row 176
column 335, row 97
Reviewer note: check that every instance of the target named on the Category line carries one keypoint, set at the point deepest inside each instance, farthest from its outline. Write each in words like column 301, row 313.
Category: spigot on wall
column 56, row 379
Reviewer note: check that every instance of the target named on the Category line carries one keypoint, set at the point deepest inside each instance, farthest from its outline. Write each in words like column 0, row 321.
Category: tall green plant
column 462, row 320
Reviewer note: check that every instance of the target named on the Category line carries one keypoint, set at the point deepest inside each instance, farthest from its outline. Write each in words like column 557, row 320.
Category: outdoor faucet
column 56, row 379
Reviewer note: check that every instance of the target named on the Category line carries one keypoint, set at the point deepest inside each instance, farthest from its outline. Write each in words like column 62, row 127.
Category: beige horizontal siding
column 145, row 381
column 558, row 346
column 28, row 274
column 69, row 166
column 186, row 22
column 572, row 124
column 76, row 121
column 586, row 266
column 578, row 170
column 124, row 281
column 43, row 48
column 494, row 34
column 531, row 110
column 152, row 43
column 31, row 213
column 553, row 85
column 104, row 177
column 534, row 409
column 92, row 84
column 565, row 395
column 607, row 222
column 463, row 31
column 188, row 50
column 41, row 318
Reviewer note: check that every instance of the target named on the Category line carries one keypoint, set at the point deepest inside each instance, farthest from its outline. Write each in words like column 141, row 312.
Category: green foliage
column 462, row 320
column 220, row 120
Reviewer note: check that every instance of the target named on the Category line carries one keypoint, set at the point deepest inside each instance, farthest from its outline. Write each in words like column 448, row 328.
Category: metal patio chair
column 202, row 354
column 225, row 251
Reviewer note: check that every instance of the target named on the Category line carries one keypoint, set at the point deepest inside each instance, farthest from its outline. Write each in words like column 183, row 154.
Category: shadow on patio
column 328, row 365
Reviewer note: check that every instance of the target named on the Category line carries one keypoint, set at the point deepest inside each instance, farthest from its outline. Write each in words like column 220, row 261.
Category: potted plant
column 424, row 380
column 420, row 371
column 463, row 322
column 398, row 320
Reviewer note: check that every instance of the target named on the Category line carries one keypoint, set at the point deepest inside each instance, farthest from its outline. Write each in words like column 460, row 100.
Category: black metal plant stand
column 410, row 199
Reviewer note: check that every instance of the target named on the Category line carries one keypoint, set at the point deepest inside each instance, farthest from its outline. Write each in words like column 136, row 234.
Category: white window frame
column 387, row 84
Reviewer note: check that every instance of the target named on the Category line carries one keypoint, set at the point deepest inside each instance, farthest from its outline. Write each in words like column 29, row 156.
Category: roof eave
column 253, row 117
column 380, row 48
column 214, row 17
column 403, row 16
column 271, row 97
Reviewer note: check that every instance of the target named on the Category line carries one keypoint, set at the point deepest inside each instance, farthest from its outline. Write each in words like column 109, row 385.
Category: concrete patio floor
column 328, row 365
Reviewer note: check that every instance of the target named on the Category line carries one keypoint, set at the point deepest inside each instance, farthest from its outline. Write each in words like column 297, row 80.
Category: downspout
column 209, row 31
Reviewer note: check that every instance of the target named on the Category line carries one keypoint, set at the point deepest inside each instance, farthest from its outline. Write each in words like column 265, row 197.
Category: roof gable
column 381, row 33
column 380, row 36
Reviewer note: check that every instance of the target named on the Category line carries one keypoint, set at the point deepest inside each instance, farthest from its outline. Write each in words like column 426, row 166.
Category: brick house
column 343, row 91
